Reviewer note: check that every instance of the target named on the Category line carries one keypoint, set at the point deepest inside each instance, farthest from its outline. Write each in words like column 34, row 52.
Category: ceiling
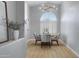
column 34, row 3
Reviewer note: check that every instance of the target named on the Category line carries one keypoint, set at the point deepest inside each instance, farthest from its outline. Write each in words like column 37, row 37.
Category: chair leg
column 49, row 44
column 57, row 43
column 35, row 42
column 41, row 44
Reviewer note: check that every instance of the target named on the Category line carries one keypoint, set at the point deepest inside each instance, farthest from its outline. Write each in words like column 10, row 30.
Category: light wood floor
column 61, row 51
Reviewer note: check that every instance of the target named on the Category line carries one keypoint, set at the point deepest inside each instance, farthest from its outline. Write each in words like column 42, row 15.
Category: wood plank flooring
column 35, row 51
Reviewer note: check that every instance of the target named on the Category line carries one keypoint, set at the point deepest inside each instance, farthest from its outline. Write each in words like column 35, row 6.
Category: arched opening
column 48, row 22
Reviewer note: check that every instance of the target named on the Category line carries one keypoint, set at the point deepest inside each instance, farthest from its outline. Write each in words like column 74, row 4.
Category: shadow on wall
column 64, row 38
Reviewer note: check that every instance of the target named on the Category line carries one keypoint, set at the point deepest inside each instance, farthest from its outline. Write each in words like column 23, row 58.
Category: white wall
column 11, row 9
column 26, row 25
column 34, row 20
column 20, row 17
column 34, row 17
column 16, row 14
column 70, row 24
column 20, row 12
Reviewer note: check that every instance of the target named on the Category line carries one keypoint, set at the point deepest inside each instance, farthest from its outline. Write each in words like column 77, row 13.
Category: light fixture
column 48, row 7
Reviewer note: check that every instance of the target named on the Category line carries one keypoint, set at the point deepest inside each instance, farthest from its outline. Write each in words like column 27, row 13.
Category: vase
column 16, row 34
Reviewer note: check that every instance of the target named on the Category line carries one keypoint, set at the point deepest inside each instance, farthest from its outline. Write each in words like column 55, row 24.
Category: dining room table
column 46, row 39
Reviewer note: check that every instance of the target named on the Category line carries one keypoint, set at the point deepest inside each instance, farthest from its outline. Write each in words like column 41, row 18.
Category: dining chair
column 37, row 38
column 45, row 40
column 55, row 38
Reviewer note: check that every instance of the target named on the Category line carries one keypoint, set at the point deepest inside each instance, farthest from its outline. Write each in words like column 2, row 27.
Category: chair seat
column 37, row 38
column 55, row 38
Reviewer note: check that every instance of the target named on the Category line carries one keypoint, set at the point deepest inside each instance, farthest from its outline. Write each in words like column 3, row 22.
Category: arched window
column 48, row 16
column 48, row 22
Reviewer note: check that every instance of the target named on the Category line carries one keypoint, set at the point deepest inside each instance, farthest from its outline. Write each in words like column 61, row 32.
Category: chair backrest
column 57, row 36
column 37, row 37
column 45, row 38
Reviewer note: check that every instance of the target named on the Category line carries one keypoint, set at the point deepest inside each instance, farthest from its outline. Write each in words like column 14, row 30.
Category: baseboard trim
column 28, row 40
column 70, row 49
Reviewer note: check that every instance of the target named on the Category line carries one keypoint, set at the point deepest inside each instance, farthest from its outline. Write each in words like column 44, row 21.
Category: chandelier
column 48, row 7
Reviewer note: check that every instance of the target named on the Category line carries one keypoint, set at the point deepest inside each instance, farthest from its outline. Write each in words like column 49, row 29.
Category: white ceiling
column 34, row 3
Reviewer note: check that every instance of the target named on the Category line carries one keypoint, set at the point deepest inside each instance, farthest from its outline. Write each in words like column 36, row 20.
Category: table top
column 46, row 38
